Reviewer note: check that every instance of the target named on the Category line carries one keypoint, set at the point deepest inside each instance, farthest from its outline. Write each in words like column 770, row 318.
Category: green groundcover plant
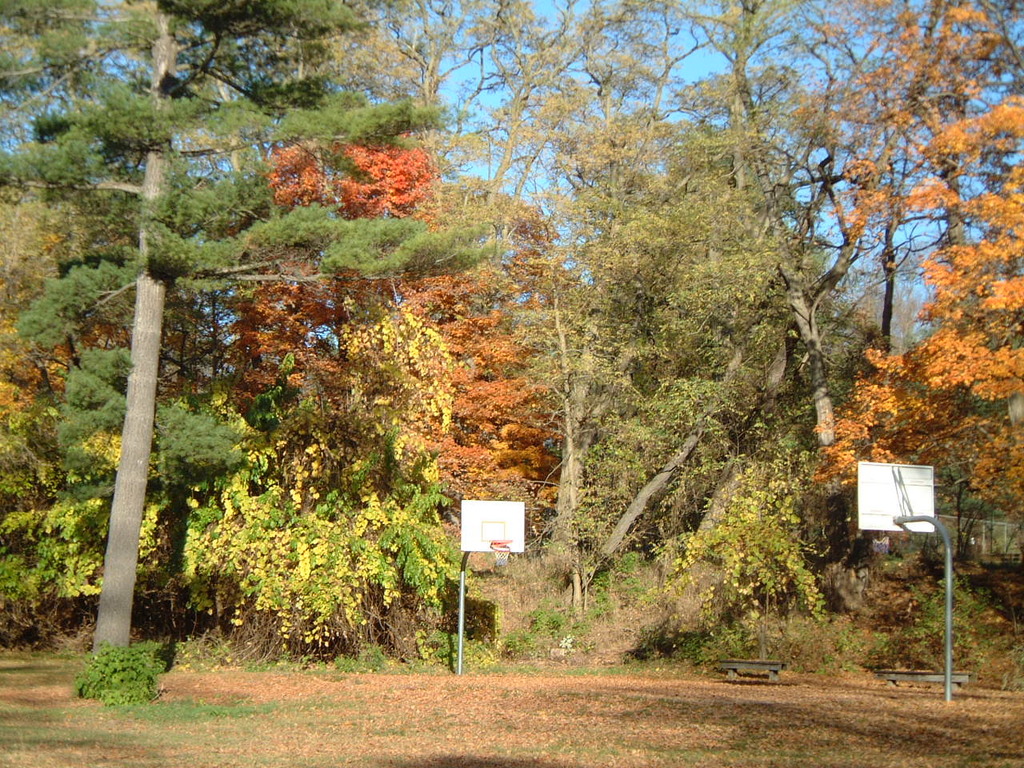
column 118, row 676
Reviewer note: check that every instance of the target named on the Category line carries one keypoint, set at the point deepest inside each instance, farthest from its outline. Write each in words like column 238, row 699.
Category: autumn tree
column 499, row 444
column 147, row 106
column 610, row 130
column 349, row 386
column 494, row 444
column 758, row 553
column 952, row 400
column 29, row 255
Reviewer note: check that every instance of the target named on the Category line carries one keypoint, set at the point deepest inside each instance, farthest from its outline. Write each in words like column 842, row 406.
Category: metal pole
column 937, row 524
column 462, row 610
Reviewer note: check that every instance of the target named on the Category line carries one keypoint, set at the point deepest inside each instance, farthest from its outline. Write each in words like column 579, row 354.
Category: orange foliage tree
column 339, row 345
column 361, row 182
column 955, row 400
column 501, row 441
column 495, row 441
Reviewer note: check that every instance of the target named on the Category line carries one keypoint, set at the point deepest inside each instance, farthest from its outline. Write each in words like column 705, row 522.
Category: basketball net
column 501, row 550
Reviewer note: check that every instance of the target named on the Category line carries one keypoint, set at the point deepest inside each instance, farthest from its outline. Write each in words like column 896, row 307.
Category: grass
column 639, row 716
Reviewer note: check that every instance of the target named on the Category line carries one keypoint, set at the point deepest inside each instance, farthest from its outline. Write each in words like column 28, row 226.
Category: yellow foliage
column 319, row 569
column 104, row 448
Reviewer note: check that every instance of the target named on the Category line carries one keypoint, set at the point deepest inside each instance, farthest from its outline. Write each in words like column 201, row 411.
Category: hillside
column 628, row 617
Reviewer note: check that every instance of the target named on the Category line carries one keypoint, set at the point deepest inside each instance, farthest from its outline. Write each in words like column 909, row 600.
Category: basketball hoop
column 501, row 549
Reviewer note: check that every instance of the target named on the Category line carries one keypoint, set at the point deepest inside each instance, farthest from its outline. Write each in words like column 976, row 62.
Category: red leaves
column 381, row 181
column 497, row 442
column 396, row 182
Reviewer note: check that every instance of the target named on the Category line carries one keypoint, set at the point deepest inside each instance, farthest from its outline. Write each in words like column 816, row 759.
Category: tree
column 172, row 106
column 607, row 123
column 388, row 180
column 29, row 459
column 761, row 560
column 935, row 403
column 494, row 445
column 685, row 299
column 499, row 442
column 782, row 148
column 953, row 399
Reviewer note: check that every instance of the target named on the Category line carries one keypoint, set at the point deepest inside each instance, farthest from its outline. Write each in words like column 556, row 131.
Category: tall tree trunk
column 113, row 620
column 578, row 434
column 804, row 293
column 1016, row 409
column 576, row 442
column 120, row 564
column 581, row 408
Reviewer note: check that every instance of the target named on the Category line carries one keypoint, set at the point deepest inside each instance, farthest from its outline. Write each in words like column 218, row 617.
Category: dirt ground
column 557, row 718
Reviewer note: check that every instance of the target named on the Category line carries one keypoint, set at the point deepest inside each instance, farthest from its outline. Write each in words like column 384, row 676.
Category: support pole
column 937, row 524
column 462, row 610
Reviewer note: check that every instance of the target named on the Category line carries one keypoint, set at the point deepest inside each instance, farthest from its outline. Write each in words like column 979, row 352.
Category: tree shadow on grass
column 475, row 761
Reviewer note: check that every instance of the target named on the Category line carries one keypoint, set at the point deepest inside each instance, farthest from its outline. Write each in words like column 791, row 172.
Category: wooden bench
column 733, row 667
column 896, row 676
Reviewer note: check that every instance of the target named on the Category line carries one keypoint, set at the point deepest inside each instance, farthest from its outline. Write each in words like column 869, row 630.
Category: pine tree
column 157, row 119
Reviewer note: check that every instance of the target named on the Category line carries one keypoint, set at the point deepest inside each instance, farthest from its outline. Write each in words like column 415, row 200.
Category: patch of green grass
column 192, row 712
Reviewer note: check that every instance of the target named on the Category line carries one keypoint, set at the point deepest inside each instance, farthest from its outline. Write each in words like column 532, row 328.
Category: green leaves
column 372, row 246
column 350, row 118
column 323, row 572
column 286, row 17
column 118, row 676
column 68, row 303
column 757, row 548
column 195, row 445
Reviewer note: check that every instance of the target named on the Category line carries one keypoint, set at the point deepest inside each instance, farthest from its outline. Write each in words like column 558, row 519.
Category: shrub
column 371, row 658
column 758, row 549
column 701, row 647
column 519, row 645
column 117, row 675
column 920, row 642
column 828, row 646
column 548, row 622
column 320, row 570
column 1014, row 679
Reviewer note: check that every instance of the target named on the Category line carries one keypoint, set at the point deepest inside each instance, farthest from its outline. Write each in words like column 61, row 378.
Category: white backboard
column 487, row 521
column 886, row 491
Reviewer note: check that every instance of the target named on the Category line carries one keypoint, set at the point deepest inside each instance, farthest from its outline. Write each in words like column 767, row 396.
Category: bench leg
column 773, row 675
column 730, row 674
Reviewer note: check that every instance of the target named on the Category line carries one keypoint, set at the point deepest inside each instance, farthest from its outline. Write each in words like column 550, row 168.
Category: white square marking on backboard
column 493, row 530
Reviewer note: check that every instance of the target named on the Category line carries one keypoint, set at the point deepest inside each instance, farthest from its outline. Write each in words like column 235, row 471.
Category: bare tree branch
column 116, row 186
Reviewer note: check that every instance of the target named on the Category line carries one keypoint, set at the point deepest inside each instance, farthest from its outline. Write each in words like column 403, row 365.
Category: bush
column 548, row 622
column 122, row 675
column 701, row 647
column 371, row 658
column 920, row 642
column 827, row 646
column 1014, row 679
